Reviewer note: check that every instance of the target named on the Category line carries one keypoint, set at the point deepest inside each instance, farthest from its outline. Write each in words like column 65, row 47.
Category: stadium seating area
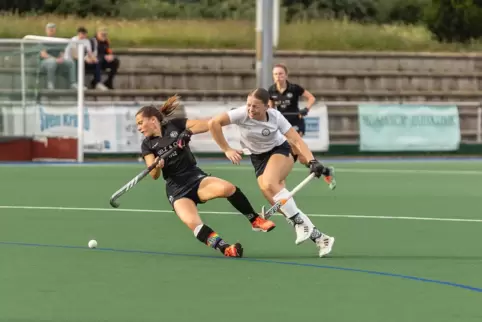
column 198, row 74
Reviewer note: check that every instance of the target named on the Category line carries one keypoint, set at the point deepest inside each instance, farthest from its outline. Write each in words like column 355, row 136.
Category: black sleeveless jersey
column 287, row 102
column 179, row 163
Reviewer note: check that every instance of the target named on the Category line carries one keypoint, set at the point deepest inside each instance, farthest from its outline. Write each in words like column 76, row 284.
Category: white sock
column 290, row 209
column 197, row 229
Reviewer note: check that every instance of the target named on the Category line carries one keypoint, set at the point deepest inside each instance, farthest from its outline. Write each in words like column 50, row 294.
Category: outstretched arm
column 191, row 127
column 295, row 139
column 216, row 128
column 315, row 166
column 197, row 126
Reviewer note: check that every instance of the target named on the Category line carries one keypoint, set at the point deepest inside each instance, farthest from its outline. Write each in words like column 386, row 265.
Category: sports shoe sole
column 262, row 230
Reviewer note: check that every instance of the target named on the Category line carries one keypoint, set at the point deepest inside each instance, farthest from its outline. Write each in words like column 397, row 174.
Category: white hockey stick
column 274, row 209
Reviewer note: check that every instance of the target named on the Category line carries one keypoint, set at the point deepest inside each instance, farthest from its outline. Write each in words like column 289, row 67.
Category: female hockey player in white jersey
column 265, row 132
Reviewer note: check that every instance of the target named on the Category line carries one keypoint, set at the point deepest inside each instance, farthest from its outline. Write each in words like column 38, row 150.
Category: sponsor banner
column 316, row 132
column 107, row 128
column 408, row 127
column 316, row 135
column 204, row 142
column 111, row 128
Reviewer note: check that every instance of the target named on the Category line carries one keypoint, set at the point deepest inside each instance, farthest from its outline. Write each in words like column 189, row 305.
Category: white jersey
column 72, row 47
column 260, row 136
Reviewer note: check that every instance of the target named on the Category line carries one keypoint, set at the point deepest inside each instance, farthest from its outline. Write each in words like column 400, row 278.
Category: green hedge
column 455, row 20
column 237, row 34
column 381, row 11
column 448, row 20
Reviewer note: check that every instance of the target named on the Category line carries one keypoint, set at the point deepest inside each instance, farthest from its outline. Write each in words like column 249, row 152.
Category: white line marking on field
column 235, row 213
column 360, row 170
column 229, row 167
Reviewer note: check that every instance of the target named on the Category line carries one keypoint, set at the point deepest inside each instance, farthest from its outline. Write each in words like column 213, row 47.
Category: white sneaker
column 325, row 244
column 75, row 86
column 101, row 87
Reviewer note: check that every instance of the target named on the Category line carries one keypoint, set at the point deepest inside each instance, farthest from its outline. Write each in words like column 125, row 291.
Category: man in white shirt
column 90, row 59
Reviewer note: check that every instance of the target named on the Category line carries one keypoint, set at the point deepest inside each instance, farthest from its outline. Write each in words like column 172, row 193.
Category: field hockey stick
column 128, row 186
column 271, row 211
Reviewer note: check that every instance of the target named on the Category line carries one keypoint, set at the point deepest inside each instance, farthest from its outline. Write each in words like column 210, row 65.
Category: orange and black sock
column 209, row 237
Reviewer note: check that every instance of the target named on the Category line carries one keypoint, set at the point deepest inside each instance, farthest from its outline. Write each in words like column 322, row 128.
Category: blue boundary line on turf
column 256, row 260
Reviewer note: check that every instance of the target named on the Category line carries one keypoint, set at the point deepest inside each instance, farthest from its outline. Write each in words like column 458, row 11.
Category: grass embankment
column 319, row 35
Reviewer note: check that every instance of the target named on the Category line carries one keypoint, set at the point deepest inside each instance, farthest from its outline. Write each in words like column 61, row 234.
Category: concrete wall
column 329, row 75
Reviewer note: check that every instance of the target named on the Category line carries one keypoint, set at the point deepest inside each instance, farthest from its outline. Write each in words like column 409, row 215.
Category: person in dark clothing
column 187, row 185
column 105, row 56
column 285, row 97
column 90, row 59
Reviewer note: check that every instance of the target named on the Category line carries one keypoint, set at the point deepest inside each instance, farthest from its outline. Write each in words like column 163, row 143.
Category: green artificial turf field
column 407, row 248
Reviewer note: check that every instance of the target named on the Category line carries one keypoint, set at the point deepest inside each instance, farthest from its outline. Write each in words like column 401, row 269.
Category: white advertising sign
column 316, row 134
column 111, row 128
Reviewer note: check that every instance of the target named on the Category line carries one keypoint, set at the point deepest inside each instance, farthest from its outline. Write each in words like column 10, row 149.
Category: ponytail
column 166, row 110
column 170, row 105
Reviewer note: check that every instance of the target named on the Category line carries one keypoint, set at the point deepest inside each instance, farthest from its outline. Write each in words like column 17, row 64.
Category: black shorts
column 260, row 161
column 185, row 186
column 299, row 125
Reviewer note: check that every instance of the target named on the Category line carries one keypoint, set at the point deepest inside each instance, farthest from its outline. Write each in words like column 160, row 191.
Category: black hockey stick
column 128, row 186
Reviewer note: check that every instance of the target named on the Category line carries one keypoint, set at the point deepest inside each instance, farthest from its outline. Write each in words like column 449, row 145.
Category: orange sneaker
column 260, row 224
column 235, row 250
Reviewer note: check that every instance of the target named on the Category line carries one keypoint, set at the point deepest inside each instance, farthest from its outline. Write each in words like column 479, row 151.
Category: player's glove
column 184, row 138
column 304, row 111
column 317, row 168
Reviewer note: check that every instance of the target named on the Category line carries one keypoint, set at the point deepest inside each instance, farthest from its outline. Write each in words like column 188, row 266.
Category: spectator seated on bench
column 106, row 60
column 90, row 59
column 52, row 58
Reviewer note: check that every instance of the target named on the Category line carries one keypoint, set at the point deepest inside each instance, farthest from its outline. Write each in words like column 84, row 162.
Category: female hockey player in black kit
column 186, row 184
column 285, row 97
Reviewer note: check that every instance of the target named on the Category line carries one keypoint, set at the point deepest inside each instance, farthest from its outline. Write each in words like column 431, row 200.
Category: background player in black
column 285, row 97
column 186, row 184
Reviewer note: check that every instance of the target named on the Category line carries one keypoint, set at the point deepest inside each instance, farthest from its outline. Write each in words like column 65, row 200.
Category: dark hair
column 261, row 94
column 282, row 66
column 167, row 109
column 82, row 30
